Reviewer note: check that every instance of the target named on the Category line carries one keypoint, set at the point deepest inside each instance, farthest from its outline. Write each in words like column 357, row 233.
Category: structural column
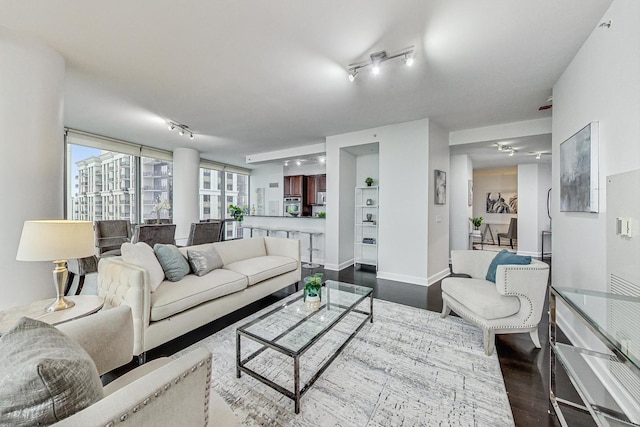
column 186, row 190
column 32, row 172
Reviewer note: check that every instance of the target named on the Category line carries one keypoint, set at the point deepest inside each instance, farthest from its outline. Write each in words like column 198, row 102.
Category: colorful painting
column 502, row 203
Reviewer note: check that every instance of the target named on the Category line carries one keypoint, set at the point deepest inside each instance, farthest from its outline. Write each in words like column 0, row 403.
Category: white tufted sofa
column 513, row 304
column 253, row 268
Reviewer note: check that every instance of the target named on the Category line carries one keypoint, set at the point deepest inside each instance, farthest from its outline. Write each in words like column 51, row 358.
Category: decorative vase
column 312, row 302
column 369, row 217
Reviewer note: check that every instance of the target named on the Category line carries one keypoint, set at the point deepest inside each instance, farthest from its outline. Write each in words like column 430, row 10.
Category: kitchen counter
column 294, row 227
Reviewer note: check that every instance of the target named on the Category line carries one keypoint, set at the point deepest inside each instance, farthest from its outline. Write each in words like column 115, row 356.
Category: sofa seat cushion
column 262, row 268
column 481, row 297
column 175, row 297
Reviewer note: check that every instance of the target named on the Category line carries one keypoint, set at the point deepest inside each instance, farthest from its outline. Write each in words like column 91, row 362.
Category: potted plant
column 313, row 291
column 476, row 221
column 368, row 181
column 236, row 212
column 321, row 214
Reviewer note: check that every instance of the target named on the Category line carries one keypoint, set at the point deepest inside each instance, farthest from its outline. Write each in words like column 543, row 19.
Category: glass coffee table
column 292, row 329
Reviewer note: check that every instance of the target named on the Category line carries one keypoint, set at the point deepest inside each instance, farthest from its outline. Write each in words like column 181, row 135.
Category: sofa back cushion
column 237, row 250
column 45, row 376
column 142, row 255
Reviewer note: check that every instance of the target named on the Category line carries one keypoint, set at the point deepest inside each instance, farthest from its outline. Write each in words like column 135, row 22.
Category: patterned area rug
column 408, row 368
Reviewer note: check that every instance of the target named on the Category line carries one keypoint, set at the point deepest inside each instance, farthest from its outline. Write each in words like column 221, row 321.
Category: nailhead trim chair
column 513, row 304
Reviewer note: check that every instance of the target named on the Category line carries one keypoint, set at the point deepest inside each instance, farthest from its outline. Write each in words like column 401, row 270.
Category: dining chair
column 204, row 232
column 511, row 234
column 155, row 233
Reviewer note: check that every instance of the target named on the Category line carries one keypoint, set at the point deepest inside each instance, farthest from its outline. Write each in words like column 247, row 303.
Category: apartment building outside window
column 103, row 185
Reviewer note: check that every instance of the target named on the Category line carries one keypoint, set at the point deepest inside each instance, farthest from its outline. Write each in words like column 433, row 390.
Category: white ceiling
column 257, row 76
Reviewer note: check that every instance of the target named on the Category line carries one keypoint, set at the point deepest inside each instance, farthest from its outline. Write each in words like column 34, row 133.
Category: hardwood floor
column 525, row 369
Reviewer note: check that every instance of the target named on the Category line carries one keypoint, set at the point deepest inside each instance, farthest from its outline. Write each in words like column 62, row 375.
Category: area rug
column 407, row 368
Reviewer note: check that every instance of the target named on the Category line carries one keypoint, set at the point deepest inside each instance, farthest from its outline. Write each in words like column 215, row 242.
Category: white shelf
column 366, row 203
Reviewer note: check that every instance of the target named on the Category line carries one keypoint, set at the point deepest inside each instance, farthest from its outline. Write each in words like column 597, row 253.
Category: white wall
column 261, row 177
column 600, row 84
column 461, row 171
column 404, row 181
column 367, row 165
column 438, row 233
column 533, row 182
column 31, row 137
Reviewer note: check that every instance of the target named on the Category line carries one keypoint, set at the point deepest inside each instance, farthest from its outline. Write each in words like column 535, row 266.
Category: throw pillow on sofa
column 174, row 264
column 204, row 261
column 45, row 376
column 142, row 255
column 505, row 257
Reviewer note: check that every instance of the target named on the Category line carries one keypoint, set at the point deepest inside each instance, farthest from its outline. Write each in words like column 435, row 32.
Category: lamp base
column 59, row 279
column 60, row 304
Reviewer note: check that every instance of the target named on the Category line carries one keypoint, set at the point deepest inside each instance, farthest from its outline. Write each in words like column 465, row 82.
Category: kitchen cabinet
column 293, row 185
column 315, row 184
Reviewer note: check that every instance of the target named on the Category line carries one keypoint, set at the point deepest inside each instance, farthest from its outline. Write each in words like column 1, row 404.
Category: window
column 157, row 189
column 210, row 195
column 101, row 184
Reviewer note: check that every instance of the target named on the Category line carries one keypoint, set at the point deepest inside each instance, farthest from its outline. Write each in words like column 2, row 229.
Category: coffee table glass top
column 293, row 327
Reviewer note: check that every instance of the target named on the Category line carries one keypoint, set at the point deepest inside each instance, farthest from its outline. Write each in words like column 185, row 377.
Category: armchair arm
column 120, row 283
column 529, row 284
column 172, row 395
column 107, row 336
column 283, row 247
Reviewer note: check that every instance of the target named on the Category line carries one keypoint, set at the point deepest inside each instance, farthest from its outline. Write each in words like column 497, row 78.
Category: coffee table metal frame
column 299, row 391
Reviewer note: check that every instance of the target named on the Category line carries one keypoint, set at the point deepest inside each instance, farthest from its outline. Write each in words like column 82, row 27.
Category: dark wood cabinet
column 293, row 185
column 315, row 184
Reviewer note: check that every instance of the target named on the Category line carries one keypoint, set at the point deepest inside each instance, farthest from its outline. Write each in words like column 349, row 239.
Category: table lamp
column 57, row 241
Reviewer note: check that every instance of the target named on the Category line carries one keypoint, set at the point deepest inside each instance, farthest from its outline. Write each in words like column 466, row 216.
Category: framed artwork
column 470, row 193
column 579, row 171
column 502, row 203
column 440, row 182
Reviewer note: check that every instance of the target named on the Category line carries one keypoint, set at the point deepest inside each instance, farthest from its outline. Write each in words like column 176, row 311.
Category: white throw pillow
column 142, row 255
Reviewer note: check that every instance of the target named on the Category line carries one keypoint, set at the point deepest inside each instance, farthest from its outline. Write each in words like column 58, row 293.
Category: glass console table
column 608, row 383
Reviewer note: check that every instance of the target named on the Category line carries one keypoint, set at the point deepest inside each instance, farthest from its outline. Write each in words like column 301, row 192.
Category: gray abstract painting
column 578, row 171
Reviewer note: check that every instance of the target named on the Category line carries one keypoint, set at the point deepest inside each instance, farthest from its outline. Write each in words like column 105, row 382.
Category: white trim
column 420, row 281
column 438, row 276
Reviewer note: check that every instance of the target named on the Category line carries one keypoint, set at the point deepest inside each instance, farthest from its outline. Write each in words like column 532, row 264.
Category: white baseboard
column 338, row 267
column 438, row 276
column 421, row 281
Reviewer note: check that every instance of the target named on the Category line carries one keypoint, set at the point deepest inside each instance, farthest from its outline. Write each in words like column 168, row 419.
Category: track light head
column 190, row 136
column 511, row 152
column 171, row 126
column 408, row 60
column 352, row 74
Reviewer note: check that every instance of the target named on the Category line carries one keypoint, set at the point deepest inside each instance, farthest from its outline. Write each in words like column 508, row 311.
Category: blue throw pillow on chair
column 505, row 257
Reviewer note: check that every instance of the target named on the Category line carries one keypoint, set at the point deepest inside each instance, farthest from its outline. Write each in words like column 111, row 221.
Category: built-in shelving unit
column 608, row 383
column 366, row 226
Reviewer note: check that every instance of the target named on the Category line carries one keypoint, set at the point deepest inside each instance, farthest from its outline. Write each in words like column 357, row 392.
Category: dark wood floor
column 525, row 369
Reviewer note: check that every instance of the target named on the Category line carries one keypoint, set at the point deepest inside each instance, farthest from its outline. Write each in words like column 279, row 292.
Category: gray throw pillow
column 45, row 376
column 204, row 261
column 173, row 263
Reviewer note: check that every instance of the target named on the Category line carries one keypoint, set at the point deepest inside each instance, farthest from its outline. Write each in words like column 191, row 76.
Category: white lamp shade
column 49, row 240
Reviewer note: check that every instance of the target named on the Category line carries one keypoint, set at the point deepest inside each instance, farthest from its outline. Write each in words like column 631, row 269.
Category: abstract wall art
column 579, row 171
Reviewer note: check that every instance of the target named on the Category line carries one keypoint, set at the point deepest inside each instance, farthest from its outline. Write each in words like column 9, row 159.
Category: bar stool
column 311, row 249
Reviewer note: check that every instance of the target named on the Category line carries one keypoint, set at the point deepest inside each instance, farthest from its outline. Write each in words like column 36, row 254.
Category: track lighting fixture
column 538, row 156
column 377, row 59
column 184, row 129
